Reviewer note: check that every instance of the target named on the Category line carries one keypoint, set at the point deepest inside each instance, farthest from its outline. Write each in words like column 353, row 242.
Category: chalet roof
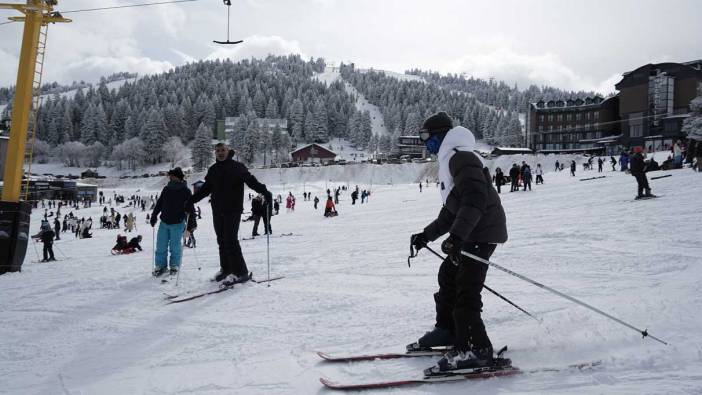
column 313, row 144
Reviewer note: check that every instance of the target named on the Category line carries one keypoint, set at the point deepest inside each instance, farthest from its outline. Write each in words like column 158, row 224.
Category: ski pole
column 153, row 247
column 644, row 332
column 187, row 218
column 491, row 290
column 268, row 240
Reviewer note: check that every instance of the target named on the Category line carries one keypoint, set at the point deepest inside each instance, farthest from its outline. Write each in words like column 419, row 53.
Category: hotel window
column 550, row 117
column 635, row 124
column 597, row 115
column 541, row 128
column 567, row 117
column 550, row 128
column 578, row 115
column 560, row 117
column 541, row 118
column 587, row 115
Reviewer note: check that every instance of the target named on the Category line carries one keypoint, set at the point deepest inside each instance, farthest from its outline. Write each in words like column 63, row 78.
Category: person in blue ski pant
column 174, row 206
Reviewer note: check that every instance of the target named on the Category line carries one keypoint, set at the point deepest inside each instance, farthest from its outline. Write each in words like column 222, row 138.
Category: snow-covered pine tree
column 88, row 133
column 251, row 141
column 201, row 151
column 310, row 127
column 102, row 129
column 297, row 119
column 321, row 133
column 385, row 144
column 412, row 124
column 692, row 126
column 272, row 109
column 154, row 135
column 172, row 150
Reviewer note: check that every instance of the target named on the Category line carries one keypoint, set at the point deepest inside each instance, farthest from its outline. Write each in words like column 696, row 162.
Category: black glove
column 418, row 241
column 452, row 247
column 153, row 221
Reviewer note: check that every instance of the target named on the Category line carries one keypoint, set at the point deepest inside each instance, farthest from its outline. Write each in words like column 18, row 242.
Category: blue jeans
column 169, row 237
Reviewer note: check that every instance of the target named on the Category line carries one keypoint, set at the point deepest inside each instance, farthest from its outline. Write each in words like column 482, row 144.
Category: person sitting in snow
column 330, row 209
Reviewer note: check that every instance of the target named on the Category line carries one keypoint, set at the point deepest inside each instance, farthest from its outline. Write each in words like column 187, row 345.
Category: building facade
column 412, row 146
column 573, row 125
column 648, row 111
column 655, row 100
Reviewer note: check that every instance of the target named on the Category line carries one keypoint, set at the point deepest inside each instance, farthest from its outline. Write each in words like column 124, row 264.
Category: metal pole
column 22, row 105
column 644, row 332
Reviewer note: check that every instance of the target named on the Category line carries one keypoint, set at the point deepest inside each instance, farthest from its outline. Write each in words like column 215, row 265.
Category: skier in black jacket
column 637, row 168
column 46, row 235
column 224, row 183
column 473, row 216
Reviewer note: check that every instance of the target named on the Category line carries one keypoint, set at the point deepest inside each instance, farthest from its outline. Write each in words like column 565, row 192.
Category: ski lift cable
column 129, row 6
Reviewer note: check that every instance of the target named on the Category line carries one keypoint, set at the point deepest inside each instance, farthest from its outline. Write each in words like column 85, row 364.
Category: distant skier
column 600, row 163
column 57, row 228
column 420, row 187
column 539, row 174
column 558, row 166
column 354, row 196
column 613, row 162
column 316, row 201
column 46, row 235
column 639, row 172
column 224, row 183
column 572, row 168
column 526, row 177
column 499, row 179
column 472, row 213
column 514, row 178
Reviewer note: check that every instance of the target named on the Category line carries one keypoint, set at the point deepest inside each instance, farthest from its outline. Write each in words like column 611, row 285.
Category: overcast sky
column 568, row 44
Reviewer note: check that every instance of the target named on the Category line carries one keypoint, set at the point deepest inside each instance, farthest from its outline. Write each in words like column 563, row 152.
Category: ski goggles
column 424, row 135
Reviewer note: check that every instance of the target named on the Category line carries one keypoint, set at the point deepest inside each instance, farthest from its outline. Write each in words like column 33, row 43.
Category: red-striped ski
column 478, row 374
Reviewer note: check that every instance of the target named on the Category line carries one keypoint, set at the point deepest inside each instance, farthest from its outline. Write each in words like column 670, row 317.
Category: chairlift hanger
column 228, row 3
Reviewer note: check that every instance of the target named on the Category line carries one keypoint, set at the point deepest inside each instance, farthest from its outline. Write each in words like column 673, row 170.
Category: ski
column 371, row 357
column 482, row 373
column 267, row 280
column 273, row 237
column 663, row 176
column 178, row 299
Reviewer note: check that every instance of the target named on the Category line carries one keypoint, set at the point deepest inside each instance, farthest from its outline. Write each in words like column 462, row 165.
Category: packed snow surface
column 93, row 323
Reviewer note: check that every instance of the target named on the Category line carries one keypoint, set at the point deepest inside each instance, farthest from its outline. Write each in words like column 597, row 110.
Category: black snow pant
column 226, row 226
column 515, row 185
column 266, row 225
column 539, row 179
column 642, row 183
column 498, row 184
column 49, row 251
column 458, row 302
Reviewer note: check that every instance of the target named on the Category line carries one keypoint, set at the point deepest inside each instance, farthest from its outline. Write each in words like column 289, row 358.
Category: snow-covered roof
column 84, row 185
column 309, row 145
column 677, row 116
column 512, row 149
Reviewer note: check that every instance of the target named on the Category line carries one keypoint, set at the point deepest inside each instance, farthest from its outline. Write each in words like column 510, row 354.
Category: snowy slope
column 331, row 74
column 95, row 323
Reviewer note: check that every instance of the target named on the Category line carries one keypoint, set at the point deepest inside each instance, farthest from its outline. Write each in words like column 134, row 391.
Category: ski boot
column 159, row 271
column 438, row 337
column 232, row 279
column 221, row 275
column 466, row 362
column 173, row 271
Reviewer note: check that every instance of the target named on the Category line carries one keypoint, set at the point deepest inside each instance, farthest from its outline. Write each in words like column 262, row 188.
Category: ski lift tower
column 14, row 214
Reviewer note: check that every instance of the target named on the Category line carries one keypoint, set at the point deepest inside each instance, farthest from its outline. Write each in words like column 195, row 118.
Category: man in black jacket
column 514, row 177
column 638, row 170
column 473, row 216
column 224, row 183
column 174, row 205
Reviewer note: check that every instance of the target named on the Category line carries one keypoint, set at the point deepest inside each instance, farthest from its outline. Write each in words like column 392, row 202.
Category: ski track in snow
column 95, row 323
column 332, row 74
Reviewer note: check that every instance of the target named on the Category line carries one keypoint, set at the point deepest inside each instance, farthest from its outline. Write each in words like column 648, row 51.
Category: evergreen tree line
column 498, row 94
column 405, row 105
column 141, row 116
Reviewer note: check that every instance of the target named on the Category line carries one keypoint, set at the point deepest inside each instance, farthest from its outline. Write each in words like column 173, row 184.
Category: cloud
column 8, row 68
column 256, row 47
column 525, row 69
column 94, row 67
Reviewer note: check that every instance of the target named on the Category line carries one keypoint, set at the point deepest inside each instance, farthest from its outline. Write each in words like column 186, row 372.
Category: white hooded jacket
column 457, row 139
